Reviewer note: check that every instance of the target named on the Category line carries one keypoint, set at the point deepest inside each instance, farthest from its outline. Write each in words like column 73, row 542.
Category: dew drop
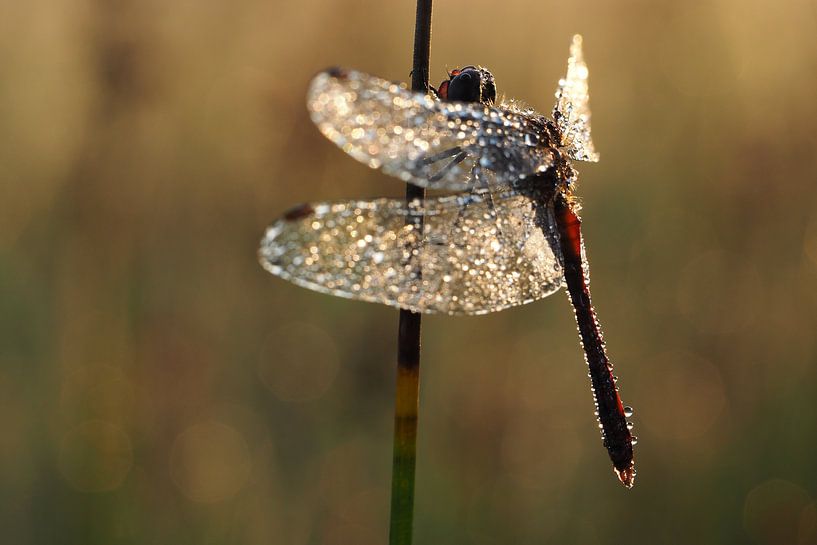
column 634, row 441
column 628, row 411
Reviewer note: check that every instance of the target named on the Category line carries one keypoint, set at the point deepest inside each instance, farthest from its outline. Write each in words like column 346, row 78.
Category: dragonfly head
column 469, row 84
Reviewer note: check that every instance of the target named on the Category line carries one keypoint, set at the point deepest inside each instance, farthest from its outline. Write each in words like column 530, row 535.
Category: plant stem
column 422, row 47
column 407, row 391
column 405, row 429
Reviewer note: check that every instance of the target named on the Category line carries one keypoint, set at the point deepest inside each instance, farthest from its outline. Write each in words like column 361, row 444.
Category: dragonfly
column 506, row 231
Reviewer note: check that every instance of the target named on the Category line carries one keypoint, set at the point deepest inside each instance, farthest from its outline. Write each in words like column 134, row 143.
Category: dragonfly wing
column 572, row 110
column 474, row 253
column 420, row 140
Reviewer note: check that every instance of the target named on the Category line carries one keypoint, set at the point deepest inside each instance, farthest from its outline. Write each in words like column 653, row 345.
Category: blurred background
column 157, row 386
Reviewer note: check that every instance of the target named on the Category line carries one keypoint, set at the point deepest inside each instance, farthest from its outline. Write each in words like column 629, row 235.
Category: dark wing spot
column 299, row 212
column 336, row 72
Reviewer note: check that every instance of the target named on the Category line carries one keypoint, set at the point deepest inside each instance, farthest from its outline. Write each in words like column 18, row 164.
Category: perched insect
column 508, row 236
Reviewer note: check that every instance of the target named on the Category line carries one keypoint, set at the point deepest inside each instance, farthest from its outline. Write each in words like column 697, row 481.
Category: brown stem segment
column 406, row 406
column 407, row 393
column 616, row 435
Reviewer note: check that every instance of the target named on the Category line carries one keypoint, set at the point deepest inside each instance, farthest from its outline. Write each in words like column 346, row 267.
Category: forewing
column 572, row 110
column 474, row 254
column 420, row 140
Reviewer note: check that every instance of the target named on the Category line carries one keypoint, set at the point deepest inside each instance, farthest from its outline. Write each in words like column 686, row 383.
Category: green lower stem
column 407, row 397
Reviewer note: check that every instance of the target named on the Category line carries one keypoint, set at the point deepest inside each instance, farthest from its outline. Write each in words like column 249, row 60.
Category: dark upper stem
column 422, row 46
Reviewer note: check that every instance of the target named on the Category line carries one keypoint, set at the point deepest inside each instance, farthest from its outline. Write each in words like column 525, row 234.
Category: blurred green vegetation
column 157, row 386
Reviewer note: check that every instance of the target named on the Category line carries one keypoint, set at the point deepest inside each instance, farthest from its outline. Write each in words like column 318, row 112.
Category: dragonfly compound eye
column 466, row 86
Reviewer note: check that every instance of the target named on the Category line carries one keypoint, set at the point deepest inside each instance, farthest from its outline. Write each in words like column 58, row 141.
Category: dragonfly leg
column 451, row 164
column 445, row 154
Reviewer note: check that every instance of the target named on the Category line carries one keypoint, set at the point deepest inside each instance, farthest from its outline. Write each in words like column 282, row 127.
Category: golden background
column 157, row 386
